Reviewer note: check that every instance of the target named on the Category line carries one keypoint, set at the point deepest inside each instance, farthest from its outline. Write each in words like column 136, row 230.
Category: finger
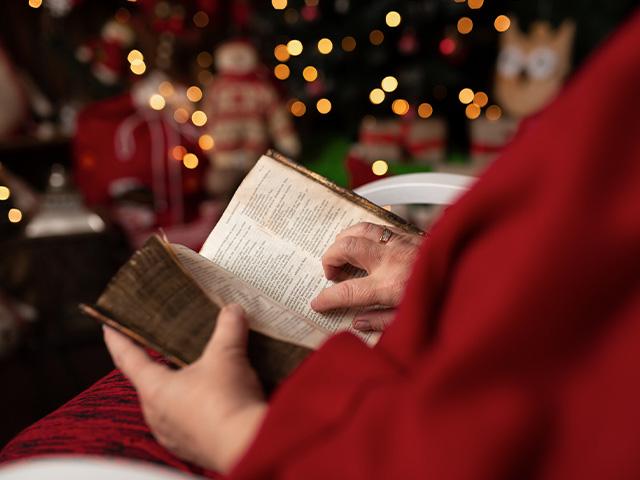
column 368, row 230
column 374, row 320
column 359, row 252
column 134, row 363
column 230, row 333
column 357, row 292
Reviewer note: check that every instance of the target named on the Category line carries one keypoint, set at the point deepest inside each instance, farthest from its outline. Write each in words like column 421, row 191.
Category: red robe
column 516, row 349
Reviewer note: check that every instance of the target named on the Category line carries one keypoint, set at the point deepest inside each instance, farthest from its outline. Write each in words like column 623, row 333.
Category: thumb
column 230, row 333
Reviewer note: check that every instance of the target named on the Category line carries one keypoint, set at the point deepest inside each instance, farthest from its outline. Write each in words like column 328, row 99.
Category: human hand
column 388, row 266
column 208, row 412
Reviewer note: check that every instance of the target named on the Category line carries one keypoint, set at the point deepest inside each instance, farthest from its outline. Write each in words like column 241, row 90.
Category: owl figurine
column 532, row 68
column 530, row 71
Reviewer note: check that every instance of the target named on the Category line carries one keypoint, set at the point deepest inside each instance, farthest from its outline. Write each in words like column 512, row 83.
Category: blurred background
column 119, row 117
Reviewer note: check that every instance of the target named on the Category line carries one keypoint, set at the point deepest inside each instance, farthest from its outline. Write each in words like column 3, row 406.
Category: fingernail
column 362, row 325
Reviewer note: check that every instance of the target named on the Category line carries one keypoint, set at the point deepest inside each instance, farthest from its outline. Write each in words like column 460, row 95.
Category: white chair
column 416, row 188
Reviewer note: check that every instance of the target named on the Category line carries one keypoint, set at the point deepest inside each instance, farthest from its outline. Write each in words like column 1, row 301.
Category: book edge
column 346, row 193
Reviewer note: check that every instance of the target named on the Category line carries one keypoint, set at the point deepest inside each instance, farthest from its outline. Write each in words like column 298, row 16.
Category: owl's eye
column 511, row 61
column 542, row 63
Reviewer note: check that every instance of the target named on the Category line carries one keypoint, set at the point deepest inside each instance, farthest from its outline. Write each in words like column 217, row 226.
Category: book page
column 264, row 315
column 274, row 232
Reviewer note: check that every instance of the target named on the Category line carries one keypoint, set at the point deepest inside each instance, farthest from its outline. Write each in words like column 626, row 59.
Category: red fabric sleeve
column 516, row 348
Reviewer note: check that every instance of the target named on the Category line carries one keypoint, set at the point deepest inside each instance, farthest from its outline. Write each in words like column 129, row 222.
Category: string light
column 447, row 46
column 281, row 71
column 5, row 193
column 205, row 142
column 323, row 105
column 379, row 167
column 178, row 152
column 493, row 113
column 310, row 73
column 393, row 19
column 279, row 4
column 376, row 96
column 281, row 53
column 325, row 46
column 400, row 106
column 14, row 215
column 190, row 161
column 157, row 102
column 389, row 84
column 294, row 47
column 138, row 67
column 481, row 99
column 201, row 19
column 466, row 95
column 35, row 3
column 465, row 25
column 199, row 118
column 348, row 44
column 425, row 110
column 502, row 23
column 472, row 111
column 204, row 59
column 376, row 37
column 298, row 109
column 475, row 4
column 194, row 93
column 181, row 115
column 135, row 55
column 166, row 89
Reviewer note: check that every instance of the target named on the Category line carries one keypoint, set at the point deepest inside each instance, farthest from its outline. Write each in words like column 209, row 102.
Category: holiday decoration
column 406, row 139
column 532, row 67
column 12, row 98
column 107, row 54
column 244, row 116
column 132, row 154
column 530, row 71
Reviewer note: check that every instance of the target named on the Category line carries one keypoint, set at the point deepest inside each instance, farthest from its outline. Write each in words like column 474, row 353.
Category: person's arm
column 388, row 265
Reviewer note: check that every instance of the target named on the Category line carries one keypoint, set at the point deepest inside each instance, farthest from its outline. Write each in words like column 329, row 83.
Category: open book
column 264, row 253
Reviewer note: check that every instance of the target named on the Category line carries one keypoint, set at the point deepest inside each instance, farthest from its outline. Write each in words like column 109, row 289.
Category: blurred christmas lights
column 466, row 95
column 281, row 53
column 310, row 73
column 393, row 19
column 294, row 47
column 157, row 101
column 425, row 110
column 389, row 84
column 376, row 96
column 465, row 25
column 14, row 215
column 281, row 71
column 190, row 161
column 5, row 193
column 194, row 94
column 323, row 105
column 199, row 118
column 205, row 142
column 502, row 23
column 379, row 167
column 324, row 46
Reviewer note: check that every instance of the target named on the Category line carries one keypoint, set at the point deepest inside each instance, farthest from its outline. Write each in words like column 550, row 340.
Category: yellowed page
column 264, row 315
column 274, row 232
